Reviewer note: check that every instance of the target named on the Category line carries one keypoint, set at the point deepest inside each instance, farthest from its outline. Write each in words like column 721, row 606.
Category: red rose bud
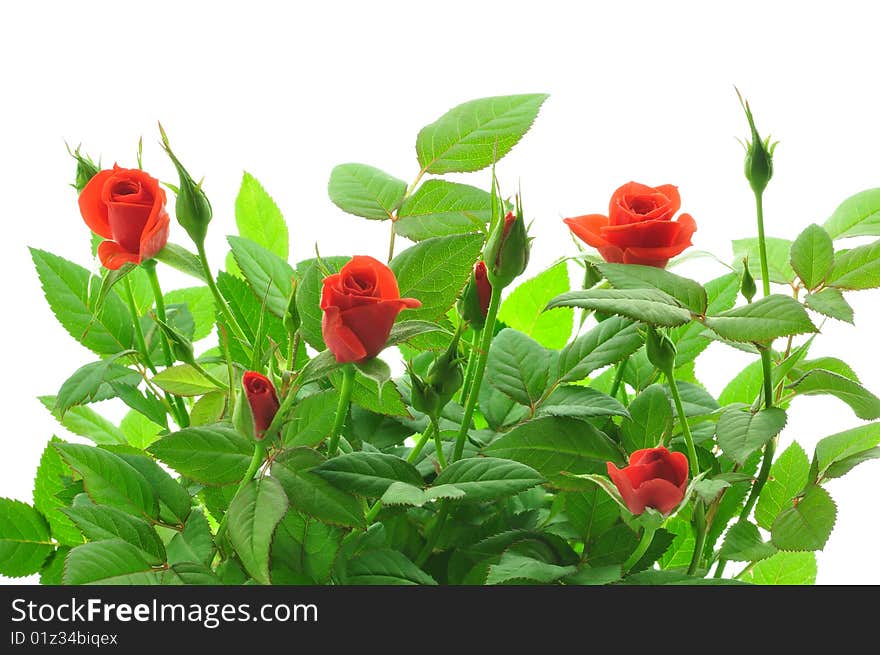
column 639, row 228
column 262, row 405
column 473, row 305
column 507, row 250
column 654, row 478
column 360, row 304
column 193, row 209
column 759, row 154
column 127, row 208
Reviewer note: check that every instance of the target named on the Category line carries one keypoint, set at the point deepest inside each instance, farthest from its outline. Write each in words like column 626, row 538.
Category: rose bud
column 655, row 478
column 748, row 288
column 660, row 350
column 360, row 304
column 126, row 207
column 193, row 209
column 759, row 154
column 291, row 318
column 639, row 228
column 507, row 250
column 256, row 406
column 444, row 377
column 473, row 305
column 86, row 169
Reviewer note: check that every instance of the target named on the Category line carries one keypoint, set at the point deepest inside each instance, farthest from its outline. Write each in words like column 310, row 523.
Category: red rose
column 654, row 478
column 639, row 228
column 263, row 400
column 484, row 287
column 360, row 304
column 126, row 207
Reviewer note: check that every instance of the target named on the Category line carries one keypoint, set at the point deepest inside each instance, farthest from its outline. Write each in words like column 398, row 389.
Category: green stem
column 230, row 368
column 762, row 243
column 391, row 241
column 438, row 442
column 294, row 350
column 180, row 415
column 618, row 378
column 138, row 330
column 420, row 444
column 469, row 370
column 256, row 461
column 434, row 534
column 641, row 549
column 682, row 420
column 348, row 372
column 473, row 390
column 700, row 543
column 219, row 300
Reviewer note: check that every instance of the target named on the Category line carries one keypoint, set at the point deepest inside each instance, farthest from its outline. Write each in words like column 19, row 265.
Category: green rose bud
column 86, row 169
column 748, row 288
column 759, row 154
column 431, row 393
column 291, row 319
column 181, row 347
column 193, row 209
column 660, row 350
column 507, row 250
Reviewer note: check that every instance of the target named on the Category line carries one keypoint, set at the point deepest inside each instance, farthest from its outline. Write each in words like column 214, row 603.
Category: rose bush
column 290, row 423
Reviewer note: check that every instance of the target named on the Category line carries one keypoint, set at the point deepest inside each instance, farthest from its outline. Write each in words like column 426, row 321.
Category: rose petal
column 644, row 255
column 372, row 323
column 650, row 234
column 624, row 486
column 114, row 256
column 588, row 229
column 634, row 203
column 385, row 281
column 155, row 234
column 127, row 223
column 92, row 208
column 660, row 494
column 342, row 342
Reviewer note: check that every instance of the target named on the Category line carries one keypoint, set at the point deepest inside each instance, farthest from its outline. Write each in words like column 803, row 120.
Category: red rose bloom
column 126, row 207
column 360, row 304
column 654, row 478
column 263, row 400
column 639, row 228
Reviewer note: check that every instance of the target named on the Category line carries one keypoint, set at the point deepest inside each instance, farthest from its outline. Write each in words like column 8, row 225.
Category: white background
column 640, row 91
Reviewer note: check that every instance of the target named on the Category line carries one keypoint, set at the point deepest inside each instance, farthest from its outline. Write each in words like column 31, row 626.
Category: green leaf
column 303, row 550
column 311, row 420
column 210, row 408
column 819, row 381
column 53, row 567
column 440, row 208
column 858, row 215
column 376, row 370
column 253, row 515
column 745, row 386
column 778, row 256
column 488, row 478
column 708, row 490
column 807, row 524
column 108, row 562
column 788, row 475
column 523, row 309
column 366, row 473
column 740, row 433
column 591, row 512
column 200, row 303
column 404, row 331
column 183, row 380
column 99, row 522
column 690, row 340
column 595, row 575
column 840, row 447
column 743, row 543
column 110, row 480
column 513, row 566
column 647, row 305
column 650, row 418
column 610, row 341
column 365, row 191
column 858, row 268
column 258, row 217
column 676, row 578
column 434, row 271
column 830, row 302
column 248, row 310
column 553, row 444
column 580, row 402
column 181, row 259
column 812, row 256
column 174, row 501
column 477, row 133
column 24, row 539
column 86, row 423
column 72, row 296
column 385, row 567
column 763, row 320
column 519, row 367
column 269, row 275
column 308, row 296
column 194, row 544
column 212, row 455
column 784, row 569
column 401, row 493
column 633, row 276
column 53, row 477
column 365, row 393
column 313, row 495
column 91, row 383
column 847, row 464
